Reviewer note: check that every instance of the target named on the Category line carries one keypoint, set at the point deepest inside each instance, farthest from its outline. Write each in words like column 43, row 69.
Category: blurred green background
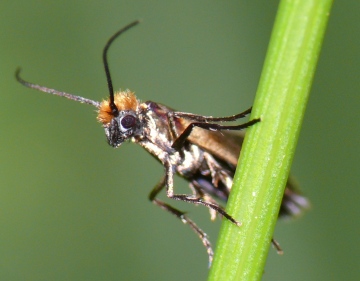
column 73, row 208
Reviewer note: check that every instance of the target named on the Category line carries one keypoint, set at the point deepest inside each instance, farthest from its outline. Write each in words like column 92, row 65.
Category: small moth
column 198, row 148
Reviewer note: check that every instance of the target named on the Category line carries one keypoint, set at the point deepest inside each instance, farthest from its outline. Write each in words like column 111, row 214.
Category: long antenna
column 113, row 107
column 53, row 91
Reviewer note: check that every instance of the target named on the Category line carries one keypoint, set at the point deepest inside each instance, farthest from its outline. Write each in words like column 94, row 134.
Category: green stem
column 270, row 145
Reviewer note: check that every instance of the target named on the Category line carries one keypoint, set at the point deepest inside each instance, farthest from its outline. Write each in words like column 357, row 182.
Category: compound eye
column 128, row 121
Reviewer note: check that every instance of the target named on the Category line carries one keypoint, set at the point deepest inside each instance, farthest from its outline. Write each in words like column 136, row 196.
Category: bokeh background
column 73, row 208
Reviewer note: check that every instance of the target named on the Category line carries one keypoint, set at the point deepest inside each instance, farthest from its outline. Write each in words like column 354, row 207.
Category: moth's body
column 207, row 159
column 195, row 147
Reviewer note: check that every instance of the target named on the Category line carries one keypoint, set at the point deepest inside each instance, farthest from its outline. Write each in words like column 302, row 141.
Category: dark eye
column 128, row 121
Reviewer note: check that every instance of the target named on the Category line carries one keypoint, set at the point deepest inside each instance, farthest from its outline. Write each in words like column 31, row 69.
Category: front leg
column 205, row 122
column 208, row 119
column 179, row 142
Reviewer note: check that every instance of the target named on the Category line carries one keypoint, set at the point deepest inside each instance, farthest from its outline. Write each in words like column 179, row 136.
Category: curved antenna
column 113, row 107
column 53, row 91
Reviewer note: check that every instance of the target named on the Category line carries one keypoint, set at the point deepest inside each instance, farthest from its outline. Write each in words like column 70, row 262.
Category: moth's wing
column 224, row 145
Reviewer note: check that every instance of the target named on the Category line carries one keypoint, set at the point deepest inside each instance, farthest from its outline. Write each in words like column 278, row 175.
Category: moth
column 200, row 149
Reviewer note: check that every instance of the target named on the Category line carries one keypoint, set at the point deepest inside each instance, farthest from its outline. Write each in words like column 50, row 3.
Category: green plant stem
column 270, row 145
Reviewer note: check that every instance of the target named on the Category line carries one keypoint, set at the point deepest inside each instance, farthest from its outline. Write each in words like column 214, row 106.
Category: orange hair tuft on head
column 125, row 100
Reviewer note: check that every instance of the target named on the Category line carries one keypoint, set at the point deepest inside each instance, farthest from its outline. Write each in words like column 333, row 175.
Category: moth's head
column 120, row 118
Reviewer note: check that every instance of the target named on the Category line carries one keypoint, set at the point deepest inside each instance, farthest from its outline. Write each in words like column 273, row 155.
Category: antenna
column 53, row 91
column 113, row 107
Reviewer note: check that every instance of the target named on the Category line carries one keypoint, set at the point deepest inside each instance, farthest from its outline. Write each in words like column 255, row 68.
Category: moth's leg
column 218, row 172
column 201, row 118
column 197, row 191
column 180, row 215
column 178, row 143
column 169, row 178
column 172, row 125
column 277, row 246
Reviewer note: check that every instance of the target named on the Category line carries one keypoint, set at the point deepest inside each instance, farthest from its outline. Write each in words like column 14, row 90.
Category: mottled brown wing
column 224, row 145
